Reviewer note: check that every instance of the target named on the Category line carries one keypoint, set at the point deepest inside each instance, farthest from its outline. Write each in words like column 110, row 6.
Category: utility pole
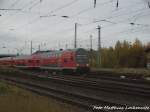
column 39, row 47
column 99, row 46
column 66, row 46
column 31, row 48
column 91, row 53
column 59, row 46
column 91, row 42
column 25, row 47
column 75, row 39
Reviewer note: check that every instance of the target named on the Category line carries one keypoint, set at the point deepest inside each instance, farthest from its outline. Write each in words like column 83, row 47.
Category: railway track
column 105, row 85
column 109, row 84
column 129, row 77
column 85, row 92
column 136, row 79
column 83, row 101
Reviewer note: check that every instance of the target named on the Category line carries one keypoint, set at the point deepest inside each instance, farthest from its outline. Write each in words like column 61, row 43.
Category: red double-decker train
column 75, row 60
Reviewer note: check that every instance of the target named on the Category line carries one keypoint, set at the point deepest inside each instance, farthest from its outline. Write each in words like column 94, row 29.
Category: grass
column 14, row 99
column 127, row 71
column 4, row 89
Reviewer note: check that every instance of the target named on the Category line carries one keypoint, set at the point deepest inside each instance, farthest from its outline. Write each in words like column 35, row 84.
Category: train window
column 37, row 61
column 30, row 61
column 71, row 58
column 65, row 60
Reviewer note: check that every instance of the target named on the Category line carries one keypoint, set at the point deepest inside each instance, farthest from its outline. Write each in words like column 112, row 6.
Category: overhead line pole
column 31, row 48
column 39, row 47
column 75, row 39
column 99, row 46
column 91, row 49
column 91, row 42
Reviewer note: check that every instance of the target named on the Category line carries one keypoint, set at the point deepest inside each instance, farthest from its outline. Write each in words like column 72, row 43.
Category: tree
column 124, row 54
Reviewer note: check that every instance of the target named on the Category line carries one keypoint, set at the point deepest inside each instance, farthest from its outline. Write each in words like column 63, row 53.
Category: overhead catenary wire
column 87, row 23
column 99, row 21
column 21, row 9
column 14, row 4
column 90, row 8
column 35, row 4
column 140, row 15
column 110, row 17
column 30, row 22
column 52, row 11
column 5, row 9
column 29, row 4
column 99, row 4
column 60, row 8
column 70, row 3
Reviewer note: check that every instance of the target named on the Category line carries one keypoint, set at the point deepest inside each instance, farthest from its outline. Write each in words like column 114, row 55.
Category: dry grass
column 131, row 71
column 13, row 99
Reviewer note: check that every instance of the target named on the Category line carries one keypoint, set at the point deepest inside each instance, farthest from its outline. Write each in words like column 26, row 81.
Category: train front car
column 82, row 60
column 76, row 60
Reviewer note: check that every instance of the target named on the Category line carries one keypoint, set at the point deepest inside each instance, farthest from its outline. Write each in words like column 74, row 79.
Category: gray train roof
column 56, row 51
column 6, row 58
column 7, row 55
column 53, row 52
column 23, row 57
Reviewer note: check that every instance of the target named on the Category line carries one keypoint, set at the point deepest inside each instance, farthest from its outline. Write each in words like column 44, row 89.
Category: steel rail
column 112, row 86
column 109, row 85
column 82, row 101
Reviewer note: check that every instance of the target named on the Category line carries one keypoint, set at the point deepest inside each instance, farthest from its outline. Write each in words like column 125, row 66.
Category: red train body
column 67, row 60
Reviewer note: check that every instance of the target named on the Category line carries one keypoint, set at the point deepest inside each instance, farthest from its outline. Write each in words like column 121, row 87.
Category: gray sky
column 41, row 21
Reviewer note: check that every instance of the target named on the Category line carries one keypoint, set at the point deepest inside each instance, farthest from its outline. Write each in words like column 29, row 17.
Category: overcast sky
column 42, row 22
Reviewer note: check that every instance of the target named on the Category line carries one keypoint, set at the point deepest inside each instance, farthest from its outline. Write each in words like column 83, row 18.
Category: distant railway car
column 7, row 61
column 26, row 62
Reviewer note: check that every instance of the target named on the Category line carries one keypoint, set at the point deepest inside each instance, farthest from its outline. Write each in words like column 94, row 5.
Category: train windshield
column 82, row 56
